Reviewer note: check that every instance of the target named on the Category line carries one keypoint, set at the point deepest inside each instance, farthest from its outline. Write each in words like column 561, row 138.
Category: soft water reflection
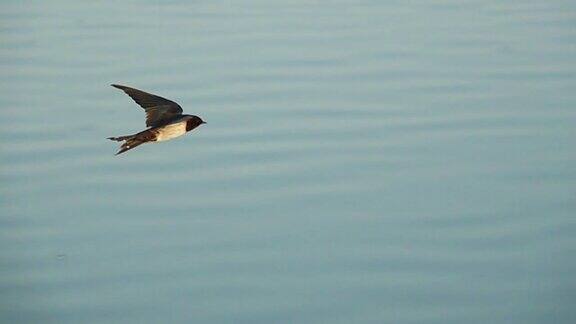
column 366, row 162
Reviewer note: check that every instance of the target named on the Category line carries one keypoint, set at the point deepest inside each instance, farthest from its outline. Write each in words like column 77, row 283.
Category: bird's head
column 193, row 122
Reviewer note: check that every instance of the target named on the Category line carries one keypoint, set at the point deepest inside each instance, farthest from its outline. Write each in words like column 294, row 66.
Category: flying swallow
column 163, row 117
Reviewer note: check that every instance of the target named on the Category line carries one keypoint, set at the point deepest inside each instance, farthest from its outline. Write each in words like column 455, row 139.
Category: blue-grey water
column 363, row 162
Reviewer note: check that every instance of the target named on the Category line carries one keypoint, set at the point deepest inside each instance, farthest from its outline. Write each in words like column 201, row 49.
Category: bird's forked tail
column 131, row 141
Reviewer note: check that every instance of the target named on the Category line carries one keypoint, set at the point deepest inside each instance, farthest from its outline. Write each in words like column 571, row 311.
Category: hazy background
column 363, row 161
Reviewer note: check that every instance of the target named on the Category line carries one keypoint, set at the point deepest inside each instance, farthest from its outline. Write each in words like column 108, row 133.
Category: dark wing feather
column 158, row 109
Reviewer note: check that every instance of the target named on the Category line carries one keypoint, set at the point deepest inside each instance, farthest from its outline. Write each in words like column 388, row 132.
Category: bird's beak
column 203, row 122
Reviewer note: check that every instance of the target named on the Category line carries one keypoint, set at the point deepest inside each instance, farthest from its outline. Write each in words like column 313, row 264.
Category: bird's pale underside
column 163, row 117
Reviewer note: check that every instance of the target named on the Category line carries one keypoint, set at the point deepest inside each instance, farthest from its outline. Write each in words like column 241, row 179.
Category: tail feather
column 130, row 144
column 120, row 138
column 132, row 141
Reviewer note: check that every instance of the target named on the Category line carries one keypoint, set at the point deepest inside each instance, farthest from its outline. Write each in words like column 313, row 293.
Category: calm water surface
column 363, row 162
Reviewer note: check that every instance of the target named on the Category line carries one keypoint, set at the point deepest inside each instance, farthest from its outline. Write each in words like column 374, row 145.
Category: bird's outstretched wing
column 158, row 109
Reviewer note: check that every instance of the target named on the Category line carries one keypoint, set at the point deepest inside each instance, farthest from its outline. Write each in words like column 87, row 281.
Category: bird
column 164, row 120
